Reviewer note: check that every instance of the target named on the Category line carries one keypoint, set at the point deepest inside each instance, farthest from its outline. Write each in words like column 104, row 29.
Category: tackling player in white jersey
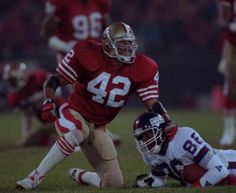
column 181, row 153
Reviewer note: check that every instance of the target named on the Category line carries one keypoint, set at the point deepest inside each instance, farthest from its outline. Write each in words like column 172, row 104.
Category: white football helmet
column 15, row 74
column 148, row 132
column 119, row 42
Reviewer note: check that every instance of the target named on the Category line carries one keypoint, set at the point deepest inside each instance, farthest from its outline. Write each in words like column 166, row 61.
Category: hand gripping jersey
column 103, row 85
column 78, row 20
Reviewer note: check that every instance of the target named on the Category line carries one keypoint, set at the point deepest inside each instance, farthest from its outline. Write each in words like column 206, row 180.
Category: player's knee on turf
column 110, row 172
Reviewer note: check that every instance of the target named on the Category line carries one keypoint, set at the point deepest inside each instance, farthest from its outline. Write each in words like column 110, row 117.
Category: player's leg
column 75, row 132
column 103, row 157
column 101, row 154
column 81, row 176
column 108, row 167
column 114, row 137
column 230, row 95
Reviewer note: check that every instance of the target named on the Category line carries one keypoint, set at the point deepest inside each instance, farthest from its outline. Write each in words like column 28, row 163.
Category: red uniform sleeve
column 75, row 61
column 149, row 79
column 69, row 66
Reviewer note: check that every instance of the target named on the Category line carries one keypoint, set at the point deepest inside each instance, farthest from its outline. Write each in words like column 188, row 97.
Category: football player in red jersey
column 67, row 22
column 104, row 75
column 180, row 153
column 227, row 16
column 25, row 94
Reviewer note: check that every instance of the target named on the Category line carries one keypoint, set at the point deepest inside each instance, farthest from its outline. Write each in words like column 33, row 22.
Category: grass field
column 16, row 162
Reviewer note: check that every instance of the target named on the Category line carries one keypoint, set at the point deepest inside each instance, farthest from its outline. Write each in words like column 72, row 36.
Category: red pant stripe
column 67, row 114
column 60, row 127
column 64, row 147
column 69, row 146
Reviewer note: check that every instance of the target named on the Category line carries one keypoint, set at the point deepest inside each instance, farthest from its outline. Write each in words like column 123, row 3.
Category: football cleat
column 76, row 175
column 30, row 182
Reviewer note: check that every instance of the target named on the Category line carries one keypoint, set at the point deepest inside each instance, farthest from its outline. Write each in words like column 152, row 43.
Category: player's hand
column 49, row 111
column 143, row 180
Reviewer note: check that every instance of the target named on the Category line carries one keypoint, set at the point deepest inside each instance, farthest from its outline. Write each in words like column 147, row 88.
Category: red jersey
column 79, row 20
column 231, row 36
column 30, row 97
column 103, row 85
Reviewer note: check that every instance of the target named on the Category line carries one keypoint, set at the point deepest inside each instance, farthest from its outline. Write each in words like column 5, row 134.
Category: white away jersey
column 185, row 148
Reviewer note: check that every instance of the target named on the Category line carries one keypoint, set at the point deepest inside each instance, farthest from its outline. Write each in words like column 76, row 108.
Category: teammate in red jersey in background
column 227, row 21
column 104, row 77
column 67, row 22
column 26, row 95
column 180, row 153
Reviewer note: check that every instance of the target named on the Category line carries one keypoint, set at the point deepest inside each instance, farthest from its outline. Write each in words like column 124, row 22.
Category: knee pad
column 74, row 137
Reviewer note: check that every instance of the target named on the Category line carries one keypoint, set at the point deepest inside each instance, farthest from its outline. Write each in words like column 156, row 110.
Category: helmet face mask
column 148, row 133
column 150, row 141
column 119, row 42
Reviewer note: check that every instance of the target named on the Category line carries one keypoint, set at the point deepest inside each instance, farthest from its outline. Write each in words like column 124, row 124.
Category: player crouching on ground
column 25, row 96
column 181, row 153
column 104, row 75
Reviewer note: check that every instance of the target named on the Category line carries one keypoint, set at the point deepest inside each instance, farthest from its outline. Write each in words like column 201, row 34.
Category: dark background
column 181, row 35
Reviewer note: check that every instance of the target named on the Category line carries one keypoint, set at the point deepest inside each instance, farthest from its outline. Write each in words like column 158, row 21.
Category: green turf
column 16, row 163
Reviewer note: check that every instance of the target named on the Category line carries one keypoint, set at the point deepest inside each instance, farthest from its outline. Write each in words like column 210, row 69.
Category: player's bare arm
column 156, row 106
column 51, row 85
column 49, row 108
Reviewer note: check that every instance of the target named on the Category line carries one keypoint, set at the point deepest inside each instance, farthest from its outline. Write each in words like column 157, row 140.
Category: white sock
column 91, row 178
column 53, row 157
column 229, row 123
